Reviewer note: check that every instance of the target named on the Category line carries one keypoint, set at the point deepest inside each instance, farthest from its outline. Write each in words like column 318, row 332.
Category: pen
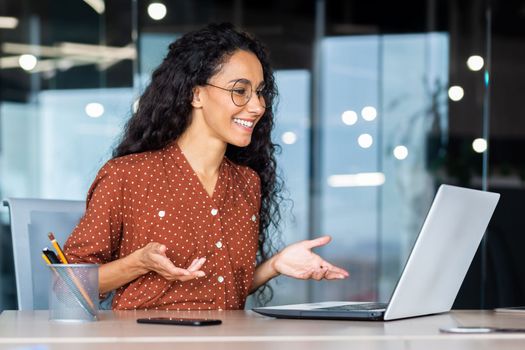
column 60, row 253
column 51, row 256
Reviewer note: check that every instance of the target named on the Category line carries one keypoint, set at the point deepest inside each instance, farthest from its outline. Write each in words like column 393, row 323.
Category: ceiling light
column 479, row 145
column 97, row 5
column 157, row 11
column 8, row 22
column 475, row 63
column 456, row 93
column 27, row 62
column 289, row 137
column 94, row 109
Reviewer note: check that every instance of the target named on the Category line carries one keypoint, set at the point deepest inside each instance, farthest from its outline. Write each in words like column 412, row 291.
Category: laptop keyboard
column 354, row 307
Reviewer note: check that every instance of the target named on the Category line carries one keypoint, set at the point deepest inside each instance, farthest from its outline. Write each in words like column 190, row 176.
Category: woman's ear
column 196, row 100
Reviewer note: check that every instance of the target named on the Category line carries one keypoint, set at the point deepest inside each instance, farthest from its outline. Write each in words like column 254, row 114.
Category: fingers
column 196, row 264
column 334, row 272
column 194, row 268
column 157, row 248
column 319, row 274
column 193, row 271
column 318, row 242
column 167, row 269
column 324, row 270
column 339, row 271
column 330, row 275
column 162, row 265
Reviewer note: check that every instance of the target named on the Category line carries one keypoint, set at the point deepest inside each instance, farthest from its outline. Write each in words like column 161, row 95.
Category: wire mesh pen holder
column 73, row 292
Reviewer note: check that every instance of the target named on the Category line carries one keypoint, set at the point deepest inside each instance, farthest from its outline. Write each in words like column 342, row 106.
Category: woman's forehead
column 241, row 65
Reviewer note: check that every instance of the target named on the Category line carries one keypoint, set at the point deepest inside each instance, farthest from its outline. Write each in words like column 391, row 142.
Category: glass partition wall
column 379, row 104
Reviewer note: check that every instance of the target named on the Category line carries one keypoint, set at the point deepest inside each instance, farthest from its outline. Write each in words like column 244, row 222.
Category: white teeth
column 243, row 122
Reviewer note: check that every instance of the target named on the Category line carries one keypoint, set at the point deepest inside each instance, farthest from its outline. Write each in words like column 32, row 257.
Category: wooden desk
column 248, row 330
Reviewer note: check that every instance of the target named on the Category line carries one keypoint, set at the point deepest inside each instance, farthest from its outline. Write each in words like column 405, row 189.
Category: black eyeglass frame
column 259, row 93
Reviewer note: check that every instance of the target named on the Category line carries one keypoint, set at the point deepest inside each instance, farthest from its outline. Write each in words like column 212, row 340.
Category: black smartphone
column 180, row 321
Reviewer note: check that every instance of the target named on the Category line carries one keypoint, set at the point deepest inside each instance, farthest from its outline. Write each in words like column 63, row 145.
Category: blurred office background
column 380, row 103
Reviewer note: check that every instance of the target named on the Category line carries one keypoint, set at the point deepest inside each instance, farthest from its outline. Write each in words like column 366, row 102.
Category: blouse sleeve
column 96, row 238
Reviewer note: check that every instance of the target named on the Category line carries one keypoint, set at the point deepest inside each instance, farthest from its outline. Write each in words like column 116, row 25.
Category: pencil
column 46, row 259
column 60, row 253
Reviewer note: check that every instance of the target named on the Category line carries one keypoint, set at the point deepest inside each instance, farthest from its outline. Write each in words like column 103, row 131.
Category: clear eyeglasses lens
column 242, row 92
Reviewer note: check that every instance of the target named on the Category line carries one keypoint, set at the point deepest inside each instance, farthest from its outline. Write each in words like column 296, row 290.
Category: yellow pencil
column 60, row 253
column 45, row 258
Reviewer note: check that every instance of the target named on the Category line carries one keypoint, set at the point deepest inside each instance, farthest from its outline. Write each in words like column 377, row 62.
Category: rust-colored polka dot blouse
column 157, row 197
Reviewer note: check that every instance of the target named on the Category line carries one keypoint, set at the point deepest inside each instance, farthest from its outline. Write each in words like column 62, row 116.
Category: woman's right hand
column 153, row 257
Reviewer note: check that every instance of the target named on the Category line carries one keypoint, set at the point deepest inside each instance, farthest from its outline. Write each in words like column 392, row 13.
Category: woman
column 180, row 215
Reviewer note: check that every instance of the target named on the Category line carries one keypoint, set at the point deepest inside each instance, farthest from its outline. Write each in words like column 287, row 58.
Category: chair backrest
column 31, row 221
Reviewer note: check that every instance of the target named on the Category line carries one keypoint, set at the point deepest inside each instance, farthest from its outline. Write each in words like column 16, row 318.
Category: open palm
column 297, row 260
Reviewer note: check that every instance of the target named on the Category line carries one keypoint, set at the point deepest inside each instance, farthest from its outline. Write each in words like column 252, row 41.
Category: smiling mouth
column 245, row 123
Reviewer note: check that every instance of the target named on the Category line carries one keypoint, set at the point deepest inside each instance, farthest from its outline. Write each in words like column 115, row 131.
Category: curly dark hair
column 164, row 113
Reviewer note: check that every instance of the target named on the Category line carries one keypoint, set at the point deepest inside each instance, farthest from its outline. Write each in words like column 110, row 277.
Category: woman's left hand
column 297, row 260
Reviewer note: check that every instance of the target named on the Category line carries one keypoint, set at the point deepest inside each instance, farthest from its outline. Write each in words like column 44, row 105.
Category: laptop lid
column 436, row 267
column 443, row 251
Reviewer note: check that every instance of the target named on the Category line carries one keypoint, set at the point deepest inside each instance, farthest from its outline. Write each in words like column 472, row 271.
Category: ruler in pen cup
column 70, row 280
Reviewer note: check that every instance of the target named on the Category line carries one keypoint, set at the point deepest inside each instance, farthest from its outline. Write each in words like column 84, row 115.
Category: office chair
column 31, row 220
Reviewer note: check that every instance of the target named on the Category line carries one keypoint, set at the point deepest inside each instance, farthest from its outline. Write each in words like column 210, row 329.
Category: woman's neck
column 204, row 153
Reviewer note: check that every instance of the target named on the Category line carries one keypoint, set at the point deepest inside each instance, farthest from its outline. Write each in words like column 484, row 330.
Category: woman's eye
column 239, row 91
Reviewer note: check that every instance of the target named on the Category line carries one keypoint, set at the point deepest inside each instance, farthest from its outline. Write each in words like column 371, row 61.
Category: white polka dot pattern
column 157, row 197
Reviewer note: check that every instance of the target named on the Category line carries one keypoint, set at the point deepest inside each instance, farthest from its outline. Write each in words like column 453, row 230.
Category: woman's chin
column 241, row 142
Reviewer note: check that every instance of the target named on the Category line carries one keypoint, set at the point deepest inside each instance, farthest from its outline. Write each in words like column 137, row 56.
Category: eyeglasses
column 241, row 92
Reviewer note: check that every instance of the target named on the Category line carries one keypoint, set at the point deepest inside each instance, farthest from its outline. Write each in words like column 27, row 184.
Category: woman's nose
column 255, row 105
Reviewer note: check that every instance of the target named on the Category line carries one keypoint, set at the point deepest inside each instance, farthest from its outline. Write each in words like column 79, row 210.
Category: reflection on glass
column 400, row 152
column 356, row 180
column 349, row 117
column 365, row 140
column 373, row 224
column 369, row 113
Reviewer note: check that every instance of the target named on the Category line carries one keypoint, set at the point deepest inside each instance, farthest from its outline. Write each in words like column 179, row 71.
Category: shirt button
column 162, row 213
column 214, row 212
column 254, row 218
column 220, row 279
column 218, row 244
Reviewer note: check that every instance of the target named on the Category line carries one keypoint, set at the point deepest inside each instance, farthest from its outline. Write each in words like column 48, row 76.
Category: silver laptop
column 434, row 271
